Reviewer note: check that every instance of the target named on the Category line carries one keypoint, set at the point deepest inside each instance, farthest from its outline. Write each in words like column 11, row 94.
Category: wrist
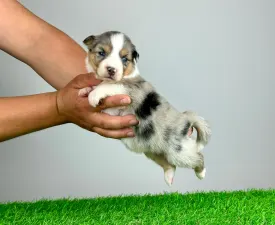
column 60, row 117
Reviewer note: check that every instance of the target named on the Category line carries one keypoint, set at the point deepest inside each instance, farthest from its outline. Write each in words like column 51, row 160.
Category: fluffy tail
column 202, row 127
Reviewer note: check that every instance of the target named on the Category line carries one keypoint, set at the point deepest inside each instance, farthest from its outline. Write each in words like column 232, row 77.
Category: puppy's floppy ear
column 135, row 55
column 88, row 41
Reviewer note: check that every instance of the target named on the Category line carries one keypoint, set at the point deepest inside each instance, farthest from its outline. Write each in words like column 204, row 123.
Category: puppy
column 162, row 133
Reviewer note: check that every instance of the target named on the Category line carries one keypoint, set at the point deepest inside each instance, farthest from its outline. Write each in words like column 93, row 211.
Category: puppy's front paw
column 169, row 175
column 94, row 99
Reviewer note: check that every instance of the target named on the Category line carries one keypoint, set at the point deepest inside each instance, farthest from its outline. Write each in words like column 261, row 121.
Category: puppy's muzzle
column 111, row 71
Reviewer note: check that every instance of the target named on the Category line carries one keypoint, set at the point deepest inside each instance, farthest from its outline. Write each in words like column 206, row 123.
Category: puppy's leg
column 188, row 157
column 199, row 168
column 169, row 170
column 104, row 90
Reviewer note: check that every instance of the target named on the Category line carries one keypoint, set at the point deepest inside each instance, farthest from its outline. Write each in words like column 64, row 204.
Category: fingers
column 106, row 121
column 116, row 134
column 114, row 101
column 85, row 80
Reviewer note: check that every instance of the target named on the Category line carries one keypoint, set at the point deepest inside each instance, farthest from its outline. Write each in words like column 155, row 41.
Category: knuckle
column 108, row 102
column 90, row 127
column 102, row 124
column 122, row 123
column 103, row 133
column 111, row 101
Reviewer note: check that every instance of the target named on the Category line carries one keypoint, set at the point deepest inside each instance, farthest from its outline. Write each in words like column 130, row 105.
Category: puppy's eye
column 101, row 53
column 124, row 59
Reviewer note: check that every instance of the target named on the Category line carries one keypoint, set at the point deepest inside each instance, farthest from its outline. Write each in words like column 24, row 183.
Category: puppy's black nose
column 111, row 70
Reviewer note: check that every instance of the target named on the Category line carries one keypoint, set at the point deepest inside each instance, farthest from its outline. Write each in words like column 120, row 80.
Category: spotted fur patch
column 149, row 104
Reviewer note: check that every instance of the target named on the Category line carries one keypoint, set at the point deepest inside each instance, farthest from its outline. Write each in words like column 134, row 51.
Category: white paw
column 84, row 92
column 169, row 176
column 201, row 174
column 94, row 98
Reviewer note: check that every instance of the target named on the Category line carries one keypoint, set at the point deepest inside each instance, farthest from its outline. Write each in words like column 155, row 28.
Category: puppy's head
column 112, row 55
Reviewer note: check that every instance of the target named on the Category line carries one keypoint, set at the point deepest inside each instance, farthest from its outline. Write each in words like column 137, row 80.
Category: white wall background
column 215, row 57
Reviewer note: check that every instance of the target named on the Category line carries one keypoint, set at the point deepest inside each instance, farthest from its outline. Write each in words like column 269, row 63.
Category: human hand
column 76, row 109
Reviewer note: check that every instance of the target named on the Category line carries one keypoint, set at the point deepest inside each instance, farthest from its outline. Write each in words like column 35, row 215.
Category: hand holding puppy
column 75, row 108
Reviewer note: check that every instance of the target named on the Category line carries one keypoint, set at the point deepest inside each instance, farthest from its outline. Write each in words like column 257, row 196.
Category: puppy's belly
column 113, row 111
column 135, row 145
column 132, row 143
column 118, row 111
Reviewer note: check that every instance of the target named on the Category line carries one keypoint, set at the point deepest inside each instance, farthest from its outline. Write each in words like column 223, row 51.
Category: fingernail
column 133, row 122
column 125, row 101
column 130, row 134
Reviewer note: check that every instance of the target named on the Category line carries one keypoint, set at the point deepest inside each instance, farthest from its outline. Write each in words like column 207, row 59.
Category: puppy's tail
column 202, row 127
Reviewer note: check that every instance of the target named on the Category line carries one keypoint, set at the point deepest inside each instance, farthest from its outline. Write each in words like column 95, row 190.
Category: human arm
column 27, row 114
column 55, row 56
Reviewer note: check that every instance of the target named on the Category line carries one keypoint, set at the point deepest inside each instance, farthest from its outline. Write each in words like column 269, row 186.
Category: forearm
column 51, row 53
column 22, row 115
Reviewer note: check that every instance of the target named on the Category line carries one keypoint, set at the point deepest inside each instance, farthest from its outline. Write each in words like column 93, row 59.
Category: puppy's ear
column 88, row 41
column 135, row 55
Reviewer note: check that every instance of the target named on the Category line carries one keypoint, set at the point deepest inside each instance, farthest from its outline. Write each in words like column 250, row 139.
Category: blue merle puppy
column 162, row 133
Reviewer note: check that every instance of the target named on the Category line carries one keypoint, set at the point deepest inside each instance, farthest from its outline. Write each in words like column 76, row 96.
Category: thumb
column 85, row 80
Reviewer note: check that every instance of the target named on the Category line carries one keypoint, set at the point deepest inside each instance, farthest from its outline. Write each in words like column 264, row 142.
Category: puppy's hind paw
column 169, row 176
column 201, row 174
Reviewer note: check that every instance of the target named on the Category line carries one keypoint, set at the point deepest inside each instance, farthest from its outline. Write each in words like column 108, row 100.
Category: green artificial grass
column 238, row 207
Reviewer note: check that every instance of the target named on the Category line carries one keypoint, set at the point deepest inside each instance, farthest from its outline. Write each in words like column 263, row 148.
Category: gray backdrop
column 215, row 57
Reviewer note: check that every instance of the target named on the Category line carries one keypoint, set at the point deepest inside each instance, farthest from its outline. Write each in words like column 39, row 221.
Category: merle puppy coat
column 162, row 132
